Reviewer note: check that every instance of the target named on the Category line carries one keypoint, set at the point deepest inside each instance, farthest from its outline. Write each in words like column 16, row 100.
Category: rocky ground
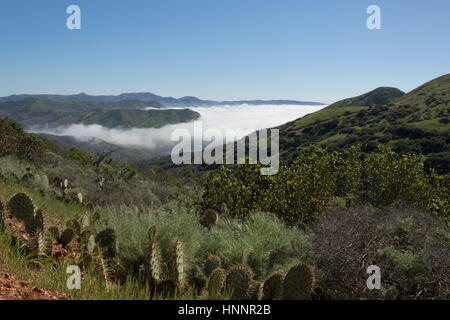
column 12, row 289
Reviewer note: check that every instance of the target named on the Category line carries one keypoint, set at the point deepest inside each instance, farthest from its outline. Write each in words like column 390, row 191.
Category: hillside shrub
column 299, row 193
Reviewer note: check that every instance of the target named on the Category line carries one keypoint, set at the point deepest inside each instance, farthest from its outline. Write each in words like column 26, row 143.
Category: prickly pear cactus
column 66, row 237
column 216, row 283
column 22, row 207
column 38, row 220
column 179, row 263
column 298, row 282
column 107, row 241
column 152, row 259
column 273, row 286
column 45, row 244
column 239, row 279
column 212, row 262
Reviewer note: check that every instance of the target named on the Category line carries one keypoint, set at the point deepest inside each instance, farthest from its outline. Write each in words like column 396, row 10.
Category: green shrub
column 299, row 193
column 302, row 191
column 14, row 141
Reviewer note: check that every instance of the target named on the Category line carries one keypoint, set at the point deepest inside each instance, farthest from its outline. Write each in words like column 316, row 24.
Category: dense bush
column 299, row 193
column 14, row 141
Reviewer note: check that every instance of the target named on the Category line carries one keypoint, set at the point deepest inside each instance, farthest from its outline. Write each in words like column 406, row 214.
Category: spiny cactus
column 239, row 279
column 66, row 237
column 211, row 263
column 22, row 207
column 40, row 244
column 273, row 286
column 152, row 233
column 179, row 263
column 38, row 223
column 216, row 282
column 45, row 244
column 107, row 241
column 298, row 282
column 153, row 260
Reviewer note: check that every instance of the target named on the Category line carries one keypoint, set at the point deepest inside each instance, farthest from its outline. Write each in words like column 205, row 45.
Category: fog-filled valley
column 148, row 142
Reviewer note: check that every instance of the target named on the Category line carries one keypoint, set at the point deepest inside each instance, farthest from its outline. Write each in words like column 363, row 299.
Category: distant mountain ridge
column 147, row 96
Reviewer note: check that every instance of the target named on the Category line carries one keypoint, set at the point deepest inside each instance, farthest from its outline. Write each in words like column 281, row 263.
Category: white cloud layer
column 246, row 118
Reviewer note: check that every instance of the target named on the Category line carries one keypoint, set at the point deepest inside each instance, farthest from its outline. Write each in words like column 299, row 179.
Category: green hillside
column 418, row 122
column 138, row 234
column 132, row 118
column 126, row 113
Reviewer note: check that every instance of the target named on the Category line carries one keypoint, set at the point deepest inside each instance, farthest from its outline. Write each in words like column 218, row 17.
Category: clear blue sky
column 222, row 49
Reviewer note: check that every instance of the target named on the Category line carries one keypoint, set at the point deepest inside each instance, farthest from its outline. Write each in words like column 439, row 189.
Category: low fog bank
column 245, row 118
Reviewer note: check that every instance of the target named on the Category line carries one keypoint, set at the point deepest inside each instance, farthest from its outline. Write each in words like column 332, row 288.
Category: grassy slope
column 414, row 122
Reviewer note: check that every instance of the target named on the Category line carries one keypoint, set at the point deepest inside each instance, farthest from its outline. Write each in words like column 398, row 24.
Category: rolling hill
column 33, row 112
column 418, row 121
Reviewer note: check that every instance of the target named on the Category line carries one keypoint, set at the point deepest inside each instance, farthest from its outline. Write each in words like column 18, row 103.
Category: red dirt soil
column 12, row 289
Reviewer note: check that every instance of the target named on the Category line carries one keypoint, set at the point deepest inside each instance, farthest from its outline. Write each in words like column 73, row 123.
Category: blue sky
column 248, row 49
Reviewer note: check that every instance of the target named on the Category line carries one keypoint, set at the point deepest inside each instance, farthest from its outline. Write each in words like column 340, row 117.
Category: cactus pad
column 273, row 286
column 179, row 263
column 21, row 206
column 66, row 236
column 239, row 279
column 298, row 282
column 212, row 262
column 216, row 282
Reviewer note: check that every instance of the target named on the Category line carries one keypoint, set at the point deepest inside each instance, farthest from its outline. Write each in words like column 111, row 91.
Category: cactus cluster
column 22, row 207
column 238, row 283
column 107, row 241
column 153, row 262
